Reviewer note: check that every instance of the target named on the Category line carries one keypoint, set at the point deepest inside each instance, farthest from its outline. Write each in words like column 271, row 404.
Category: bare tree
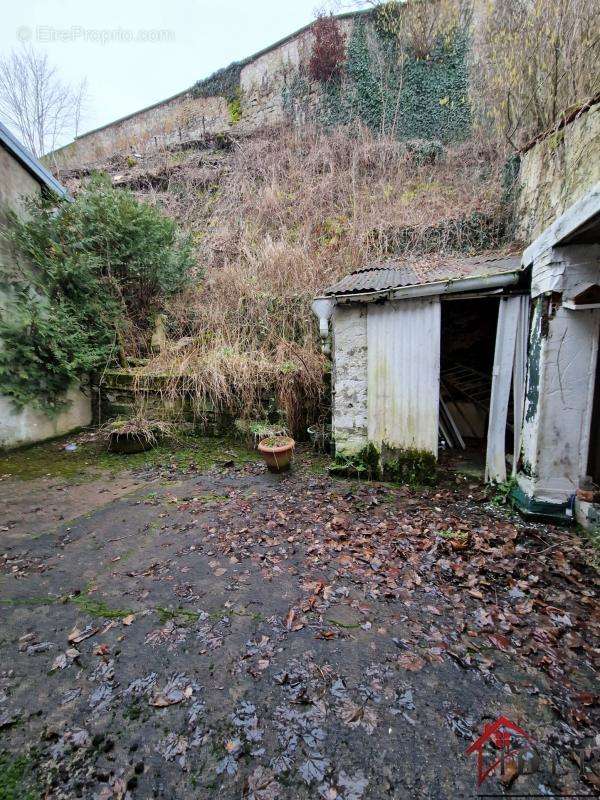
column 538, row 60
column 36, row 102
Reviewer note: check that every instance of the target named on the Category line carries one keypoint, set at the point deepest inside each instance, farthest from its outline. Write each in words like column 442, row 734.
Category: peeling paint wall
column 561, row 377
column 349, row 412
column 556, row 172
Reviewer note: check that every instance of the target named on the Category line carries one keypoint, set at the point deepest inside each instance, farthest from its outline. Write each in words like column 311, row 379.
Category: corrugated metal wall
column 404, row 374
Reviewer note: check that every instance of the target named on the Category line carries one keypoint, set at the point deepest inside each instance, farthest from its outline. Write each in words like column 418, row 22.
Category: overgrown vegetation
column 224, row 83
column 328, row 50
column 364, row 464
column 538, row 60
column 82, row 275
column 294, row 211
column 387, row 78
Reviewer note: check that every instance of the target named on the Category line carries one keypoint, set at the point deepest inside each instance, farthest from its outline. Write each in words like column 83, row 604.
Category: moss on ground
column 180, row 615
column 17, row 778
column 29, row 601
column 98, row 608
column 50, row 459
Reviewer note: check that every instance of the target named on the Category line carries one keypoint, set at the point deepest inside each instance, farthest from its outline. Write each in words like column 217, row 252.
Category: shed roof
column 393, row 274
column 30, row 162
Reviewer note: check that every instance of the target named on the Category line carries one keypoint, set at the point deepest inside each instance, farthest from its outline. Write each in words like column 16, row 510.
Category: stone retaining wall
column 263, row 82
column 558, row 170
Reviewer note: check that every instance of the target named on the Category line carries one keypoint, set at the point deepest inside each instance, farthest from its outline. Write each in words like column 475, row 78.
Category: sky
column 136, row 52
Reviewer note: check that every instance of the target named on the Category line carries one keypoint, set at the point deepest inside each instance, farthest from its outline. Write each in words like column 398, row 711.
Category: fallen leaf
column 77, row 635
column 411, row 662
column 359, row 716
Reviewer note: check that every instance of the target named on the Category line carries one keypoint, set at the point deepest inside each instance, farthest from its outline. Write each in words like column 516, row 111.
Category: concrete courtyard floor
column 199, row 628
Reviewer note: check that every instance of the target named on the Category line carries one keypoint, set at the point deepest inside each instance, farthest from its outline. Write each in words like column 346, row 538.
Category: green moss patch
column 17, row 778
column 180, row 615
column 50, row 459
column 415, row 467
column 98, row 608
column 364, row 464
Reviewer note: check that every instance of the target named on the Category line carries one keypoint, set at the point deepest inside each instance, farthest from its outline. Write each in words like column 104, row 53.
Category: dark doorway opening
column 468, row 341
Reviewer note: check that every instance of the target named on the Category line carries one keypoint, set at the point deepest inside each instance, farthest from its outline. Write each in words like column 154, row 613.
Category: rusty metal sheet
column 395, row 275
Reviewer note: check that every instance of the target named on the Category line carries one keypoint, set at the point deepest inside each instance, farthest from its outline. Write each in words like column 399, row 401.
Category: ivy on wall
column 408, row 96
column 434, row 97
column 223, row 83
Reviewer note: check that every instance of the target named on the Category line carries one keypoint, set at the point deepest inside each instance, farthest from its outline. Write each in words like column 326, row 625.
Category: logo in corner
column 505, row 750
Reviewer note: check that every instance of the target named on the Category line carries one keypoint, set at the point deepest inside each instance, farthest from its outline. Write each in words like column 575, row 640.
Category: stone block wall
column 349, row 413
column 118, row 394
column 264, row 79
column 179, row 119
column 557, row 171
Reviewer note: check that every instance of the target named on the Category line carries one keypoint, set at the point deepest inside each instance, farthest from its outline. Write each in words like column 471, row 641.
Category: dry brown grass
column 294, row 211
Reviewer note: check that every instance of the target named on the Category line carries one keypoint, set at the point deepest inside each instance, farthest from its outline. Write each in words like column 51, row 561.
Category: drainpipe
column 323, row 308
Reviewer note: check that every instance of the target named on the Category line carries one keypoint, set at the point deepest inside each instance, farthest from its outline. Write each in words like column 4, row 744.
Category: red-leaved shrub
column 328, row 51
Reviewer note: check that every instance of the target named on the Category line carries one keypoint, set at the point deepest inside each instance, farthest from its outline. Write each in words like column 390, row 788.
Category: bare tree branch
column 36, row 102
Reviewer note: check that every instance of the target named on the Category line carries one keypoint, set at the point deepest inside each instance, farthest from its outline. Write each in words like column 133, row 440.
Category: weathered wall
column 28, row 425
column 422, row 99
column 15, row 184
column 263, row 81
column 556, row 172
column 349, row 411
column 180, row 118
column 561, row 377
column 403, row 341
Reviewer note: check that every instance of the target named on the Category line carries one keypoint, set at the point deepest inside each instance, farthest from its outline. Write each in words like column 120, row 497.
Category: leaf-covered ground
column 227, row 633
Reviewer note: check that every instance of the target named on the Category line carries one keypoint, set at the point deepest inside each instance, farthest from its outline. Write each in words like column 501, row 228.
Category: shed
column 425, row 354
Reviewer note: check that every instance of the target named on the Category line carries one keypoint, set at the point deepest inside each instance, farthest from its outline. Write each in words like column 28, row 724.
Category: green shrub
column 78, row 274
column 234, row 107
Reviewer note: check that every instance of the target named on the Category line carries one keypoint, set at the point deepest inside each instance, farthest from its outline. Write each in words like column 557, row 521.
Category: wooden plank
column 504, row 358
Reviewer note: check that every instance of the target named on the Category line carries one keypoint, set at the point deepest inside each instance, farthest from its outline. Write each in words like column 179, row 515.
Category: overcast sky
column 113, row 43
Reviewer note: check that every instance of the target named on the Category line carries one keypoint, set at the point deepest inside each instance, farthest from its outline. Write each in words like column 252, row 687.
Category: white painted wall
column 29, row 425
column 404, row 374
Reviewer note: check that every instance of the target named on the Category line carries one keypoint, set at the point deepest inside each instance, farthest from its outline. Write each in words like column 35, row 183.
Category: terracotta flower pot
column 277, row 452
